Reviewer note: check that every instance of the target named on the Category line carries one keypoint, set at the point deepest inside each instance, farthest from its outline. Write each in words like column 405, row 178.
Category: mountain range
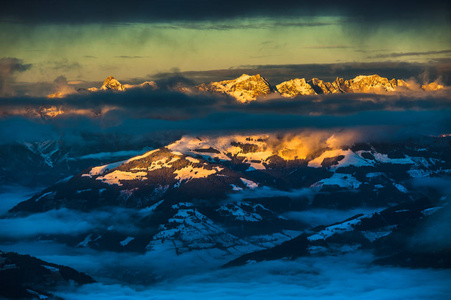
column 147, row 208
column 248, row 88
column 240, row 195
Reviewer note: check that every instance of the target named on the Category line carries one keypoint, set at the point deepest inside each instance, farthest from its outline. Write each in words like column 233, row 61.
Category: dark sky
column 212, row 10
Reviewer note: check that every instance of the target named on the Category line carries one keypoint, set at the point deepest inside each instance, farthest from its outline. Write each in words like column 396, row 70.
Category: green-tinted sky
column 91, row 50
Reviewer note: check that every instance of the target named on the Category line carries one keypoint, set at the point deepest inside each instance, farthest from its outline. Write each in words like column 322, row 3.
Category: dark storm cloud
column 145, row 110
column 84, row 11
column 170, row 105
column 174, row 81
column 9, row 67
column 139, row 102
column 402, row 54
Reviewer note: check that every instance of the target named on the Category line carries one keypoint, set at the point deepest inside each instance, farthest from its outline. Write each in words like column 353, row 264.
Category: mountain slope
column 26, row 277
column 234, row 193
column 392, row 233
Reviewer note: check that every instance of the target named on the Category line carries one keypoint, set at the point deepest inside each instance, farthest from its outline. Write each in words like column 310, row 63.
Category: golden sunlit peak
column 244, row 88
column 108, row 79
column 112, row 84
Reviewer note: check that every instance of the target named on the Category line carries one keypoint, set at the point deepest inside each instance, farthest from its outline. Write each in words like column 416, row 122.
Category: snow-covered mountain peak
column 112, row 83
column 244, row 77
column 374, row 83
column 366, row 77
column 244, row 88
column 295, row 87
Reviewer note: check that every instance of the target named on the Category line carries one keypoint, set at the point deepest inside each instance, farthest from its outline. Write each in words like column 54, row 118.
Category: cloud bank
column 345, row 277
column 178, row 10
column 171, row 105
column 144, row 112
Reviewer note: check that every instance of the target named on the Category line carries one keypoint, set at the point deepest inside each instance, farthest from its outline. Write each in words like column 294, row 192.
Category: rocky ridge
column 26, row 277
column 248, row 88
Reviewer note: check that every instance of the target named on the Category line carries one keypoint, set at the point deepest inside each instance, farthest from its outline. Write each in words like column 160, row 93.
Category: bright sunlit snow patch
column 159, row 164
column 103, row 169
column 116, row 177
column 191, row 172
column 218, row 147
column 193, row 160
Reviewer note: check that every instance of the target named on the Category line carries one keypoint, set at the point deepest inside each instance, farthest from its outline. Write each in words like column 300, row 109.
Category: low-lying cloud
column 80, row 130
column 344, row 277
column 170, row 105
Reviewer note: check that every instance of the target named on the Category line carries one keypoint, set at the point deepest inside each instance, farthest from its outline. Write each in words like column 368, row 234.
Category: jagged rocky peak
column 323, row 87
column 360, row 84
column 112, row 83
column 244, row 88
column 374, row 83
column 295, row 87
